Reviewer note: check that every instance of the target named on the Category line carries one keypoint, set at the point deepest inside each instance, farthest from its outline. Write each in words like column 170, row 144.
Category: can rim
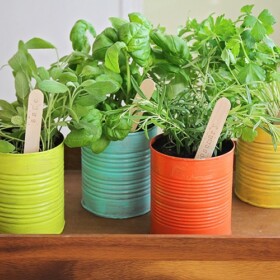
column 154, row 139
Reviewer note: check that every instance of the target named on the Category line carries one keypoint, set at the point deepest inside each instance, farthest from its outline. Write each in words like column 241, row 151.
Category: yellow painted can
column 32, row 192
column 257, row 179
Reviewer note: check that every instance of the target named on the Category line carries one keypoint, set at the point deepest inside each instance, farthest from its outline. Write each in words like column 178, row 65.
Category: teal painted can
column 116, row 182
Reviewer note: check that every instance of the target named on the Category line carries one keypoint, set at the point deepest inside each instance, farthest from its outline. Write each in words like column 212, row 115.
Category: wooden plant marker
column 34, row 121
column 148, row 87
column 213, row 129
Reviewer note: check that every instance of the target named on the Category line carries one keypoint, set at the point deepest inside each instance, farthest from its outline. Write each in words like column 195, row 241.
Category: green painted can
column 116, row 182
column 32, row 192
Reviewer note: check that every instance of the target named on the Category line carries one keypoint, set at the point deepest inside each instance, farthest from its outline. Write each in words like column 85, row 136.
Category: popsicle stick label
column 213, row 129
column 34, row 121
column 147, row 87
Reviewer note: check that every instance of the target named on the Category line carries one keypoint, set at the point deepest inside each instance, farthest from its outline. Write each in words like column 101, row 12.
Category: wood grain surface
column 138, row 257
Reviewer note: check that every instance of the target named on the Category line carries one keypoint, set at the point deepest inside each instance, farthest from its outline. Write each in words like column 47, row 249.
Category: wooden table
column 96, row 248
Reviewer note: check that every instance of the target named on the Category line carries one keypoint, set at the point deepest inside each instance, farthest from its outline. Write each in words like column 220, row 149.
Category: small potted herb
column 251, row 59
column 227, row 59
column 32, row 184
column 115, row 159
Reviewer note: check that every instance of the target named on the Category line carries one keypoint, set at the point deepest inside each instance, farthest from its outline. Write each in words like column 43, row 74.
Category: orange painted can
column 191, row 196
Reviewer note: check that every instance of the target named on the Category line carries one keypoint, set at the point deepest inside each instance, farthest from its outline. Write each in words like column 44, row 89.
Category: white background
column 51, row 20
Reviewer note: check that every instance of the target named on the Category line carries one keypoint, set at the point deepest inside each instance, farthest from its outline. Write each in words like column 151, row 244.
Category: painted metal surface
column 191, row 196
column 116, row 182
column 32, row 192
column 258, row 172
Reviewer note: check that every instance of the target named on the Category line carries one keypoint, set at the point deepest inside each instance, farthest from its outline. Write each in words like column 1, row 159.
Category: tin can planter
column 32, row 192
column 258, row 172
column 116, row 182
column 191, row 196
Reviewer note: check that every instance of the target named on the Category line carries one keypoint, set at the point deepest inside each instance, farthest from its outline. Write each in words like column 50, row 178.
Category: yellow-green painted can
column 258, row 172
column 32, row 192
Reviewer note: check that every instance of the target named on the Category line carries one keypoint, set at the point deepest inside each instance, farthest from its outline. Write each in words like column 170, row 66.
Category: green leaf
column 66, row 77
column 88, row 83
column 92, row 123
column 97, row 92
column 7, row 106
column 6, row 116
column 247, row 9
column 112, row 56
column 18, row 61
column 228, row 57
column 248, row 39
column 38, row 43
column 176, row 86
column 103, row 41
column 117, row 22
column 137, row 39
column 81, row 111
column 55, row 72
column 139, row 18
column 102, row 87
column 52, row 86
column 17, row 120
column 31, row 65
column 99, row 145
column 90, row 71
column 251, row 73
column 258, row 31
column 261, row 26
column 43, row 73
column 78, row 35
column 249, row 21
column 110, row 75
column 267, row 20
column 224, row 28
column 78, row 138
column 248, row 134
column 21, row 111
column 174, row 48
column 21, row 85
column 117, row 127
column 234, row 45
column 6, row 147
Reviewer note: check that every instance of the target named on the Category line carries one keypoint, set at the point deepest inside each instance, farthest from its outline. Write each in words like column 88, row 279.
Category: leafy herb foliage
column 27, row 76
column 103, row 79
column 92, row 90
column 223, row 58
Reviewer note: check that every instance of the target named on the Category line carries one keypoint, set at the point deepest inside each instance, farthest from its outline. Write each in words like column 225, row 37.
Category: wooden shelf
column 92, row 247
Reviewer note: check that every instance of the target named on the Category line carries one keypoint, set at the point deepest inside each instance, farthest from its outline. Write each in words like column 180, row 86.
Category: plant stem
column 128, row 79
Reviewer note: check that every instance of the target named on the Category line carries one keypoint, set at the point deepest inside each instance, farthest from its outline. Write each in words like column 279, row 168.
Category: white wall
column 172, row 13
column 51, row 20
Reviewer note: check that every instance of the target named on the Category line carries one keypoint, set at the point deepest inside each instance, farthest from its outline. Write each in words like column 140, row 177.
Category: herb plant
column 233, row 59
column 27, row 76
column 103, row 76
